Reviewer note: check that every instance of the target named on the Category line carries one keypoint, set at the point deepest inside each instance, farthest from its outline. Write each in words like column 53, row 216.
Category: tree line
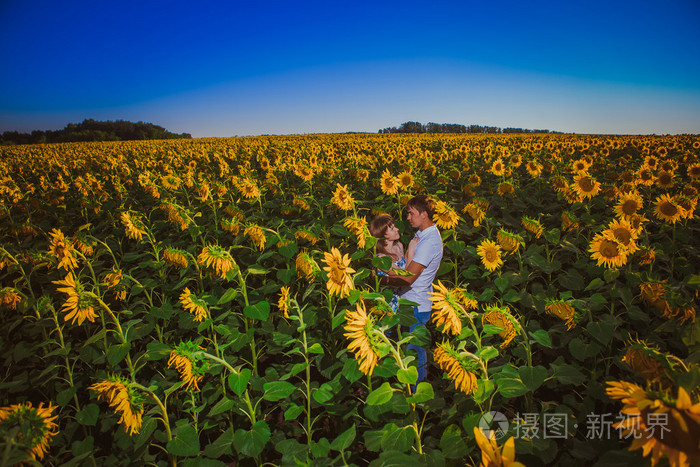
column 417, row 127
column 92, row 130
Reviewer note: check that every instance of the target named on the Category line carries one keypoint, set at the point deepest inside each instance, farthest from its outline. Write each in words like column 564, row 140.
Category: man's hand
column 393, row 279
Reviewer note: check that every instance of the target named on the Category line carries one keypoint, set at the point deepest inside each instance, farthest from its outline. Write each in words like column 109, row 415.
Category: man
column 423, row 268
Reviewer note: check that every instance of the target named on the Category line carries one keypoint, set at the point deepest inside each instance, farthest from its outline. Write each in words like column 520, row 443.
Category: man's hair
column 423, row 203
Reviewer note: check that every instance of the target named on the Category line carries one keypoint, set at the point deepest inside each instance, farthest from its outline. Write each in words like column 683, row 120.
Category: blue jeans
column 422, row 363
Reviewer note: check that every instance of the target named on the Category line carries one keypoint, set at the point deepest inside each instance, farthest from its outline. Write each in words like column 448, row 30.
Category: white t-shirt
column 429, row 254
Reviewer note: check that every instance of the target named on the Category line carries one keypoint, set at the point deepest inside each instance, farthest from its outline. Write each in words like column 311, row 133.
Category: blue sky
column 234, row 68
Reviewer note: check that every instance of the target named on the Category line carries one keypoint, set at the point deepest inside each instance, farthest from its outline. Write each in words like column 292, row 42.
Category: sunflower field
column 212, row 302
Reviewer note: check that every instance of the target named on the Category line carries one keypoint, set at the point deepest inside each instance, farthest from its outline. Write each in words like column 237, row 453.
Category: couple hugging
column 421, row 260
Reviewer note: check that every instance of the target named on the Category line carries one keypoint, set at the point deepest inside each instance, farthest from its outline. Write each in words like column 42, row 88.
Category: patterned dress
column 400, row 264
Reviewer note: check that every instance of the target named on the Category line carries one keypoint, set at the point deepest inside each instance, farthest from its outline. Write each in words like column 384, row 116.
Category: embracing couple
column 421, row 259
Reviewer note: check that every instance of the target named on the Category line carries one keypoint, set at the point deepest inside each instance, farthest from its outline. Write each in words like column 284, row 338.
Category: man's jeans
column 422, row 362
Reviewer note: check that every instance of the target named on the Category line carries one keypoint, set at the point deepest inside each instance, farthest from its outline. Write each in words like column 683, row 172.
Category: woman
column 383, row 228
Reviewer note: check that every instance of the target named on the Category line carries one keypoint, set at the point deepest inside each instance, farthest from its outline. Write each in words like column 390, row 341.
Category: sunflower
column 446, row 305
column 283, row 302
column 445, row 217
column 563, row 311
column 650, row 363
column 189, row 364
column 534, row 169
column 175, row 215
column 497, row 168
column 235, row 213
column 338, row 266
column 306, row 266
column 475, row 212
column 645, row 177
column 303, row 234
column 35, row 426
column 364, row 343
column 257, row 235
column 516, row 161
column 62, row 250
column 586, row 186
column 301, row 204
column 505, row 188
column 667, row 210
column 651, row 162
column 533, row 226
column 474, row 180
column 607, row 250
column 501, row 317
column 132, row 230
column 646, row 256
column 78, row 305
column 85, row 246
column 342, row 198
column 687, row 206
column 568, row 221
column 405, row 180
column 194, row 305
column 491, row 454
column 580, row 166
column 9, row 298
column 509, row 242
column 490, row 253
column 175, row 257
column 652, row 292
column 676, row 438
column 628, row 204
column 218, row 258
column 665, row 179
column 230, row 225
column 358, row 227
column 124, row 400
column 624, row 233
column 248, row 188
column 694, row 170
column 460, row 367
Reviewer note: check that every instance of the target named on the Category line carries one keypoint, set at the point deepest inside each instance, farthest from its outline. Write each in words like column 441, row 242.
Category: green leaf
column 397, row 438
column 552, row 236
column 571, row 280
column 595, row 284
column 238, row 382
column 221, row 445
column 542, row 337
column 288, row 250
column 501, row 283
column 382, row 262
column 251, row 443
column 256, row 269
column 315, row 348
column 424, row 392
column 611, row 274
column 63, row 397
column 323, row 394
column 260, row 310
column 567, row 374
column 293, row 411
column 320, row 448
column 601, row 331
column 338, row 319
column 344, row 440
column 381, row 395
column 88, row 416
column 582, row 350
column 229, row 295
column 456, row 246
column 157, row 350
column 409, row 376
column 224, row 405
column 285, row 275
column 452, row 444
column 277, row 390
column 185, row 443
column 486, row 295
column 511, row 296
column 487, row 353
column 532, row 377
column 351, row 370
column 117, row 352
column 509, row 382
column 484, row 389
column 472, row 272
column 491, row 329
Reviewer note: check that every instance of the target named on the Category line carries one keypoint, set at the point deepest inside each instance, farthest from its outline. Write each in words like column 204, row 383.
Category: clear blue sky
column 284, row 67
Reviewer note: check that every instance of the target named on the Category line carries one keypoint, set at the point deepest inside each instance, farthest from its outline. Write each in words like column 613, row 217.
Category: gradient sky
column 286, row 67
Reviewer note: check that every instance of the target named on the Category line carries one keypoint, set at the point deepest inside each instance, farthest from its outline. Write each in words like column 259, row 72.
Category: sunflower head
column 501, row 316
column 490, row 254
column 508, row 241
column 461, row 367
column 29, row 428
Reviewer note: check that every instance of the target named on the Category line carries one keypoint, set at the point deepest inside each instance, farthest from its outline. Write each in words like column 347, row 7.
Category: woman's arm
column 394, row 279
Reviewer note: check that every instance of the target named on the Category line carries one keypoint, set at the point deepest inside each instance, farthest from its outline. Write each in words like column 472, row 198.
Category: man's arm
column 394, row 279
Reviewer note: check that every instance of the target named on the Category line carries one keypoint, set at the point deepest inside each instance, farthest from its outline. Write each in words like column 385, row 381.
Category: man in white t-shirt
column 423, row 268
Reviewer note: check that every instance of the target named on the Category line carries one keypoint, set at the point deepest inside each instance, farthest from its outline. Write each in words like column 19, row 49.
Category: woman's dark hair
column 377, row 227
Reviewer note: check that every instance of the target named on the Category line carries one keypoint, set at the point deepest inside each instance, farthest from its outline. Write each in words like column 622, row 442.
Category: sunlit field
column 211, row 302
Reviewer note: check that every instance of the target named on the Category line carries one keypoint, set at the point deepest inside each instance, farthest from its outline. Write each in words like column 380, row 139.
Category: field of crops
column 211, row 302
